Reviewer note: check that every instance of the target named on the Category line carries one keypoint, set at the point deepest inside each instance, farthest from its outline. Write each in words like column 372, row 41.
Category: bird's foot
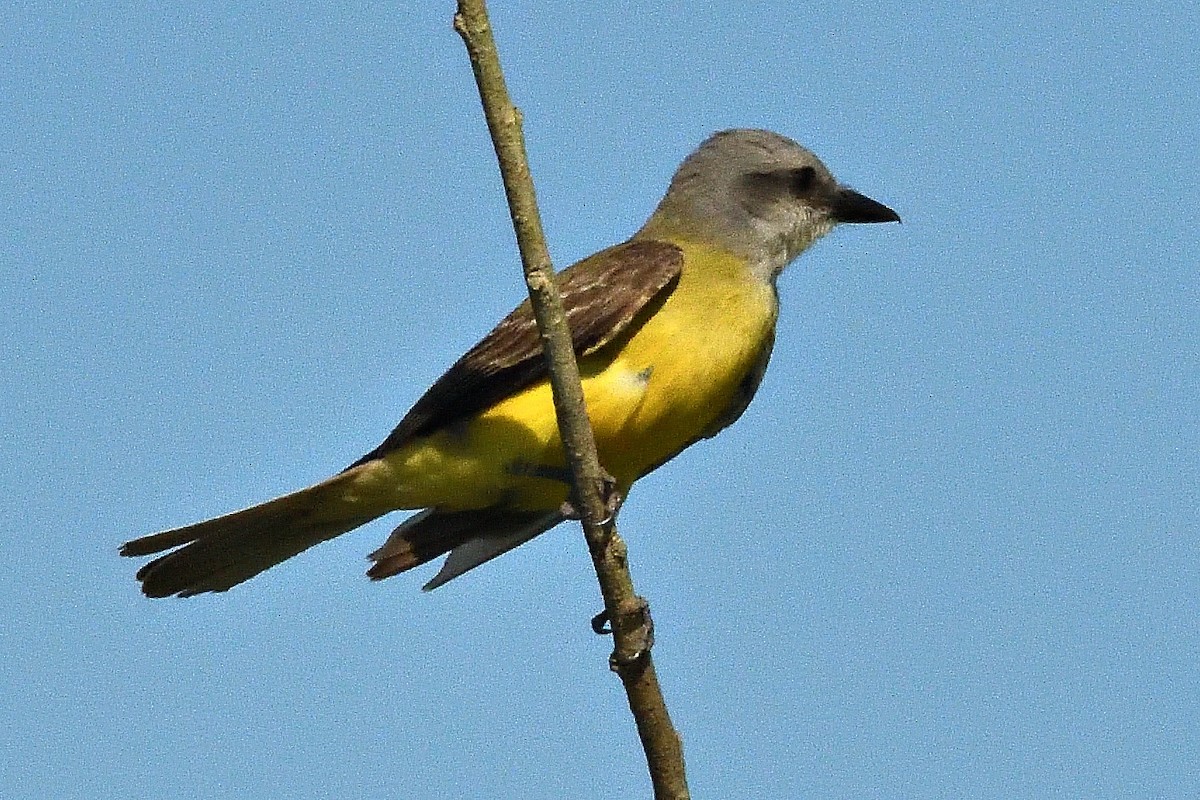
column 611, row 496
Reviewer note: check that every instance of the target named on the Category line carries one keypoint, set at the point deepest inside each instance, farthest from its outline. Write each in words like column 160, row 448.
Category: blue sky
column 950, row 551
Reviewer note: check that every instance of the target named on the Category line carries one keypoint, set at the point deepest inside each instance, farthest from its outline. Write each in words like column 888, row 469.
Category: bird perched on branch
column 672, row 328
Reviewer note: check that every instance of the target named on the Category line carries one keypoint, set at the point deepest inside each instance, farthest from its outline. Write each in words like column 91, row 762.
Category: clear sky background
column 950, row 551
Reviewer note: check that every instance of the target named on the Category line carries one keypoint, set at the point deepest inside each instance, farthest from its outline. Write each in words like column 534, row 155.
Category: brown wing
column 601, row 296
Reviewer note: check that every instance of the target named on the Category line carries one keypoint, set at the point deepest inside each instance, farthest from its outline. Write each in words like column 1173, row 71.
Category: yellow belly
column 648, row 395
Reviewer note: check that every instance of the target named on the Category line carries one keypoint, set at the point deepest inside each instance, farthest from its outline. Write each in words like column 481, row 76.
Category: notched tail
column 220, row 553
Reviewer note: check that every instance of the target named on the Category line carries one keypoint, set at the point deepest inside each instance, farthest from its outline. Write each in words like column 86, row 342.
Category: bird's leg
column 544, row 471
column 570, row 508
column 610, row 494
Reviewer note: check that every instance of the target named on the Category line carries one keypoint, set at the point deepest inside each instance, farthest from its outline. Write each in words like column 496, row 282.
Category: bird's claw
column 612, row 502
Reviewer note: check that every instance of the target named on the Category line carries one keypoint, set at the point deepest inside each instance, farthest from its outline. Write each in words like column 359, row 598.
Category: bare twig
column 629, row 614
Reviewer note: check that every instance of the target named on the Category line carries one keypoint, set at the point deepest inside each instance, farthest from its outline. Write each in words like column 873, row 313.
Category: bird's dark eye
column 802, row 180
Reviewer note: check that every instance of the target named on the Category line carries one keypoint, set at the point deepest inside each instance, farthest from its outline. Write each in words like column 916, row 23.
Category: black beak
column 848, row 205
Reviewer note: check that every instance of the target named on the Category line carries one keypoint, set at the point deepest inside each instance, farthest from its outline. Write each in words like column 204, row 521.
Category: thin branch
column 629, row 614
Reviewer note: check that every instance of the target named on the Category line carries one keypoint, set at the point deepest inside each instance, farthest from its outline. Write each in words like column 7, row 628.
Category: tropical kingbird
column 672, row 328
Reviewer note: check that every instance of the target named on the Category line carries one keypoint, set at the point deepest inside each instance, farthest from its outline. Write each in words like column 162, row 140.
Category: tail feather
column 471, row 538
column 220, row 553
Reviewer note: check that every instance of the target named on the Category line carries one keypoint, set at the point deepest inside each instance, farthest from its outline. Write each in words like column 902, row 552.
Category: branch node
column 637, row 628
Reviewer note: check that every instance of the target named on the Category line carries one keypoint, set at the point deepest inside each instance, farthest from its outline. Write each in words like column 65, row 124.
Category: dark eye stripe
column 802, row 180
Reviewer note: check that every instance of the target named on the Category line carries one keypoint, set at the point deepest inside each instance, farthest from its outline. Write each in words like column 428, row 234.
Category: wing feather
column 601, row 296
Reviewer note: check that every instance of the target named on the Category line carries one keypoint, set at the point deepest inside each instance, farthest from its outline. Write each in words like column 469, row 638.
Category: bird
column 672, row 329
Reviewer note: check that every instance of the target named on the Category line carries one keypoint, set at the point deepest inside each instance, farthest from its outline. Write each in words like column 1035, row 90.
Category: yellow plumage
column 648, row 396
column 672, row 329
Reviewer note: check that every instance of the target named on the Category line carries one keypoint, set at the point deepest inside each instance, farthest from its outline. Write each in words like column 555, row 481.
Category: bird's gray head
column 759, row 195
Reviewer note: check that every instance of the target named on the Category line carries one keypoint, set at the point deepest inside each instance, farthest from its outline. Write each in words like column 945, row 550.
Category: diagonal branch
column 629, row 614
